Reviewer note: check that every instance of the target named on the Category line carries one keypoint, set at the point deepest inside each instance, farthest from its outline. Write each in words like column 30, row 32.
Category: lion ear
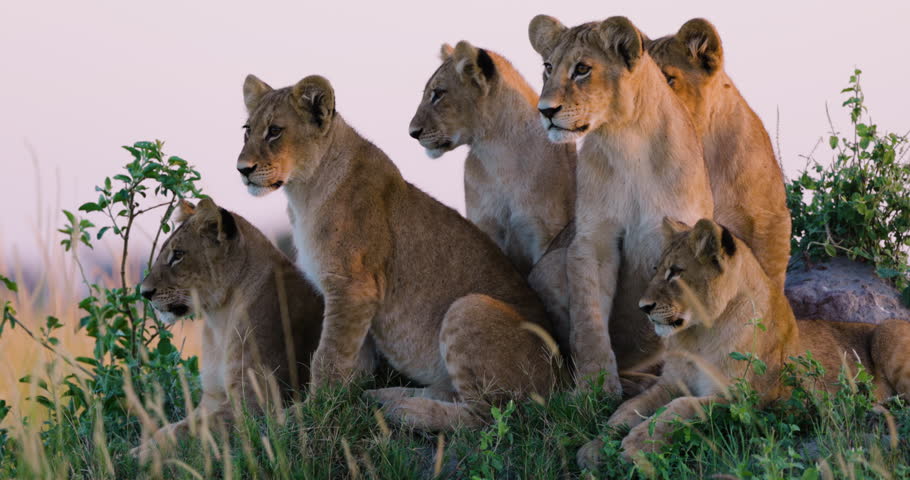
column 473, row 64
column 185, row 210
column 314, row 96
column 253, row 91
column 703, row 44
column 671, row 227
column 712, row 242
column 623, row 38
column 445, row 51
column 544, row 31
column 215, row 222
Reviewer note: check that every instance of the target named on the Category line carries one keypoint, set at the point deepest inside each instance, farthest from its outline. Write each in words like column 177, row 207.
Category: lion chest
column 307, row 250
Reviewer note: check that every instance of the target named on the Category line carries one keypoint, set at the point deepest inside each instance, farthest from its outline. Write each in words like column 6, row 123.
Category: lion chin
column 260, row 190
column 557, row 134
column 435, row 153
column 166, row 318
column 667, row 327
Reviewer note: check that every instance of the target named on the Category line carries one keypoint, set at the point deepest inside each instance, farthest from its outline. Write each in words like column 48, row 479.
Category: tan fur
column 443, row 305
column 746, row 180
column 640, row 160
column 704, row 299
column 519, row 188
column 239, row 279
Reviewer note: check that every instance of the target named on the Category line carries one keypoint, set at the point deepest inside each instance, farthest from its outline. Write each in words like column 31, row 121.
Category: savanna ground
column 87, row 370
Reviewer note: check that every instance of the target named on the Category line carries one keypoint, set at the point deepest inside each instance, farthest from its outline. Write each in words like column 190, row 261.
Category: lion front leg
column 642, row 439
column 211, row 409
column 630, row 414
column 349, row 310
column 592, row 265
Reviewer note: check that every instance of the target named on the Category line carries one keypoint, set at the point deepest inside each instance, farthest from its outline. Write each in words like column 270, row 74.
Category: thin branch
column 140, row 212
column 51, row 348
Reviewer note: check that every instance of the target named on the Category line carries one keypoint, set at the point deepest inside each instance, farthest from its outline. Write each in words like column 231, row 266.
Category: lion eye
column 581, row 70
column 548, row 68
column 246, row 133
column 671, row 80
column 176, row 256
column 274, row 132
column 674, row 272
column 436, row 94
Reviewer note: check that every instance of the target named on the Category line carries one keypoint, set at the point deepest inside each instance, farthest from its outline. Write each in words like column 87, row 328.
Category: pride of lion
column 629, row 219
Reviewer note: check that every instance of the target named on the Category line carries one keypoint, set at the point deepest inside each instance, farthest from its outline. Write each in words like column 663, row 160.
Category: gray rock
column 843, row 290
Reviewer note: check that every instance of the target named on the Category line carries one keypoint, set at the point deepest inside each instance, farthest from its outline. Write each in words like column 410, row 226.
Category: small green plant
column 129, row 342
column 859, row 204
column 489, row 462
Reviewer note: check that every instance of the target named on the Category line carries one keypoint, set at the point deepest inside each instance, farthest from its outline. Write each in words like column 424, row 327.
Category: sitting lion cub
column 519, row 187
column 706, row 292
column 639, row 161
column 240, row 281
column 746, row 180
column 440, row 301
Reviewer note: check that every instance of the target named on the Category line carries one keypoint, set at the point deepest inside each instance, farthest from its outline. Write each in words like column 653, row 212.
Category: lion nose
column 415, row 133
column 549, row 112
column 148, row 293
column 647, row 308
column 246, row 171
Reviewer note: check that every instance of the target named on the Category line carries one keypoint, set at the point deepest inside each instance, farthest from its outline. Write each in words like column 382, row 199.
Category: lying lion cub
column 640, row 160
column 441, row 302
column 746, row 180
column 707, row 291
column 240, row 281
column 519, row 187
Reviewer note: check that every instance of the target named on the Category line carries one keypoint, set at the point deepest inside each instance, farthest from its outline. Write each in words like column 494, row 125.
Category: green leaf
column 832, row 141
column 10, row 285
column 88, row 361
column 739, row 356
column 89, row 207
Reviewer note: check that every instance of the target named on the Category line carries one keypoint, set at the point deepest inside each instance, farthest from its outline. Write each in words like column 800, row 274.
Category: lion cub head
column 696, row 278
column 589, row 71
column 449, row 110
column 690, row 60
column 287, row 133
column 196, row 258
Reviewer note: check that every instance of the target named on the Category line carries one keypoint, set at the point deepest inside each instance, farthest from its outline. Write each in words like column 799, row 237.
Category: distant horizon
column 84, row 79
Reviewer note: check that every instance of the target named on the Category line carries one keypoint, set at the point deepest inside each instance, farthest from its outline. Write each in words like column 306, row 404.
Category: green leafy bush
column 132, row 350
column 859, row 204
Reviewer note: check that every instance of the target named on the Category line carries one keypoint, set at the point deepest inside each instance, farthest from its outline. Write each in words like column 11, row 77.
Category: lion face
column 689, row 60
column 452, row 99
column 192, row 260
column 286, row 133
column 695, row 278
column 588, row 70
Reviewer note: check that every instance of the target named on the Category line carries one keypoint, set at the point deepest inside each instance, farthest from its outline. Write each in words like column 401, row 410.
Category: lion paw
column 588, row 456
column 639, row 440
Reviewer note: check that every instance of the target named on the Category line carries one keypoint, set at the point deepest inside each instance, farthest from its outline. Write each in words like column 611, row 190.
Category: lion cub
column 640, row 160
column 441, row 303
column 519, row 188
column 746, row 180
column 708, row 289
column 240, row 281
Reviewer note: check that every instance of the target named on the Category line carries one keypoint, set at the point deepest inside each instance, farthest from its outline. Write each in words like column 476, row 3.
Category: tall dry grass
column 51, row 284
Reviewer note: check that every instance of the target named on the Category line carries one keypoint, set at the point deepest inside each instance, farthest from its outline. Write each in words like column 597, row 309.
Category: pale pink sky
column 79, row 79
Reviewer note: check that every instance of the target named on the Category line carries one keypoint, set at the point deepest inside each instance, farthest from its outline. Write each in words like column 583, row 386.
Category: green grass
column 808, row 436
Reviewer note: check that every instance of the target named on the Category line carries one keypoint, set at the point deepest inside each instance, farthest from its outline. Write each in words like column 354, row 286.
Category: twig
column 53, row 350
